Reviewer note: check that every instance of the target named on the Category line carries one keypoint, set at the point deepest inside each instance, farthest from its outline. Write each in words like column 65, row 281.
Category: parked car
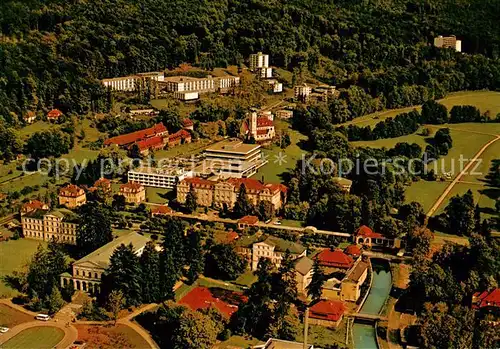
column 277, row 223
column 3, row 329
column 42, row 317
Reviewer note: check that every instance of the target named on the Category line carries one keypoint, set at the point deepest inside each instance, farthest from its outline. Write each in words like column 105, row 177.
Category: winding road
column 64, row 317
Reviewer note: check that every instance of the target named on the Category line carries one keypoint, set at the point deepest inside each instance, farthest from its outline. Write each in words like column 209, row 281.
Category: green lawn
column 14, row 254
column 156, row 195
column 35, row 337
column 10, row 317
column 184, row 150
column 239, row 342
column 246, row 279
column 292, row 223
column 321, row 336
column 484, row 100
column 25, row 132
column 466, row 143
column 273, row 170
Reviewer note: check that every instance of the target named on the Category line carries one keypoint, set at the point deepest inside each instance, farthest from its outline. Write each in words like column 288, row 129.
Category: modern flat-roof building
column 275, row 85
column 302, row 92
column 166, row 177
column 448, row 42
column 87, row 272
column 188, row 88
column 131, row 82
column 233, row 158
column 259, row 60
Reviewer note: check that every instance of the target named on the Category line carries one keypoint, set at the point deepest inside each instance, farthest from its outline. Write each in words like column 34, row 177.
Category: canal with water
column 364, row 334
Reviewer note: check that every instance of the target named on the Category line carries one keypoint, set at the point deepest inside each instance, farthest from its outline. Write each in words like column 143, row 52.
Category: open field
column 484, row 100
column 156, row 195
column 185, row 150
column 120, row 336
column 10, row 317
column 25, row 132
column 239, row 342
column 273, row 170
column 14, row 254
column 35, row 337
column 246, row 279
column 468, row 139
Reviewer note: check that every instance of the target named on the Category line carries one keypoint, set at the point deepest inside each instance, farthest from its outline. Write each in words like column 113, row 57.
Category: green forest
column 53, row 52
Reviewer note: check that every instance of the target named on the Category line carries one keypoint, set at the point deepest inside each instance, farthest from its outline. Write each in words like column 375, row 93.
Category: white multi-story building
column 302, row 92
column 233, row 158
column 159, row 177
column 448, row 42
column 60, row 225
column 276, row 86
column 259, row 60
column 186, row 95
column 130, row 83
column 200, row 85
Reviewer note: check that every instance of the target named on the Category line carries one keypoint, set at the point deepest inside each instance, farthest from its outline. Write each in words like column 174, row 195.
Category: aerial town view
column 294, row 174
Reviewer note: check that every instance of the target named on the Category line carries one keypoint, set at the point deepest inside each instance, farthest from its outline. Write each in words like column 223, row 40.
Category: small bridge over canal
column 368, row 317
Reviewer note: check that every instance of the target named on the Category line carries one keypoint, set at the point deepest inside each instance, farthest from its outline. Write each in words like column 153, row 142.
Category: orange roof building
column 162, row 210
column 334, row 259
column 247, row 221
column 202, row 298
column 72, row 196
column 327, row 313
column 54, row 114
column 134, row 192
column 33, row 205
column 225, row 192
column 133, row 137
column 486, row 299
column 353, row 250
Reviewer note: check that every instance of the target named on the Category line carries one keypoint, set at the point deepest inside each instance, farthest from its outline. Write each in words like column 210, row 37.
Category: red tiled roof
column 34, row 205
column 202, row 298
column 132, row 186
column 198, row 181
column 327, row 310
column 250, row 184
column 161, row 210
column 148, row 143
column 187, row 123
column 102, row 182
column 71, row 191
column 179, row 134
column 488, row 298
column 335, row 258
column 249, row 220
column 264, row 122
column 367, row 232
column 133, row 137
column 54, row 114
column 353, row 250
column 232, row 236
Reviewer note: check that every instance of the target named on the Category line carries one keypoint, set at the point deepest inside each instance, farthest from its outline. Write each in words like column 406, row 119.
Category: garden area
column 42, row 337
column 24, row 249
column 109, row 337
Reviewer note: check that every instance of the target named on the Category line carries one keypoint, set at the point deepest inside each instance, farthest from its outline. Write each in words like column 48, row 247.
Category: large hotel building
column 130, row 83
column 225, row 193
column 42, row 225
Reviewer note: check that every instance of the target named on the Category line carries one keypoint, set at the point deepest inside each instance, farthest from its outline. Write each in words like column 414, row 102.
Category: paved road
column 460, row 175
column 70, row 333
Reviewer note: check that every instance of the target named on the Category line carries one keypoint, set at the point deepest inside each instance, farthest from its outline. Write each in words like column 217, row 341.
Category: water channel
column 364, row 334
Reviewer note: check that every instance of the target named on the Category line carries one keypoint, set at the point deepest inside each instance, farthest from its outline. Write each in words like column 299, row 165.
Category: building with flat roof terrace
column 166, row 177
column 233, row 158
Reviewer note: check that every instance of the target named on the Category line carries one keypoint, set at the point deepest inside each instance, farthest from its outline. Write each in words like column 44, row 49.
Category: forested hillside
column 53, row 51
